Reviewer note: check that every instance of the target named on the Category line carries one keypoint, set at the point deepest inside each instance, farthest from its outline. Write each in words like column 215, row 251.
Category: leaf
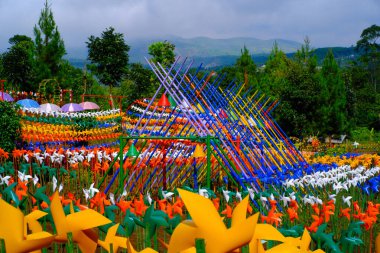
column 353, row 241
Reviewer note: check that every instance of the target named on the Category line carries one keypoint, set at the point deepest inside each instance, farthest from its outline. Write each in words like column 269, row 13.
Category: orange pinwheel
column 293, row 215
column 4, row 153
column 74, row 166
column 17, row 153
column 99, row 201
column 227, row 211
column 124, row 205
column 85, row 163
column 140, row 206
column 345, row 212
column 216, row 203
column 105, row 166
column 327, row 211
column 177, row 206
column 21, row 190
column 316, row 208
column 314, row 226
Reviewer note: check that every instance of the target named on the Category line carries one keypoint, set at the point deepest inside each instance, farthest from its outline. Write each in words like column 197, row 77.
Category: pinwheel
column 13, row 230
column 206, row 222
column 79, row 224
column 114, row 240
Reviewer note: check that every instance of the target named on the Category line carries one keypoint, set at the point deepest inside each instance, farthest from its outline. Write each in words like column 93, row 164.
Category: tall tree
column 109, row 57
column 162, row 52
column 18, row 62
column 246, row 68
column 333, row 95
column 274, row 73
column 50, row 47
column 371, row 47
column 299, row 94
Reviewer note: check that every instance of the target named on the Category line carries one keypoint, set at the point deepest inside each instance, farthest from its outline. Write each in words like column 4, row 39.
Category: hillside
column 214, row 53
column 207, row 47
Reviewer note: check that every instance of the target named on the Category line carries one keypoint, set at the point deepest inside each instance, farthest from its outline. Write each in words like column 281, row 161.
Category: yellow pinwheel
column 80, row 224
column 207, row 224
column 12, row 222
column 112, row 238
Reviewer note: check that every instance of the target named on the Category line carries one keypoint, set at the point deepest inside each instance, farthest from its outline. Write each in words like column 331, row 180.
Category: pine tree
column 50, row 47
column 246, row 68
column 333, row 95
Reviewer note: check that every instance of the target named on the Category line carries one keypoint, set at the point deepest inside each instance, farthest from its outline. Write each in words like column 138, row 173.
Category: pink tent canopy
column 89, row 105
column 48, row 107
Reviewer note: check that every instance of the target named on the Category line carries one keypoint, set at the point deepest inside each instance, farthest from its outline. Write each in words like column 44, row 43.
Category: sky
column 325, row 22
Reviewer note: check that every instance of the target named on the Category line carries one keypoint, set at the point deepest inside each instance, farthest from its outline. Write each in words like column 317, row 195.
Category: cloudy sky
column 326, row 22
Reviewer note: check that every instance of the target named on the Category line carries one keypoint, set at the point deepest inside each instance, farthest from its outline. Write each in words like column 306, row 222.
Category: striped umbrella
column 72, row 107
column 48, row 107
column 28, row 103
column 6, row 97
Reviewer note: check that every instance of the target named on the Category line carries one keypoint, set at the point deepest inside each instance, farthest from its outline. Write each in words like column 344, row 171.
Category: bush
column 10, row 126
column 364, row 134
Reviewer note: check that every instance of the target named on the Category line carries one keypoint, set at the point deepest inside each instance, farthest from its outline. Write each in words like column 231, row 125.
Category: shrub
column 10, row 126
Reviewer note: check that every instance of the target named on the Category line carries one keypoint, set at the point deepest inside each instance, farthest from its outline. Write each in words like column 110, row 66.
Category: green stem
column 2, row 246
column 200, row 245
column 70, row 244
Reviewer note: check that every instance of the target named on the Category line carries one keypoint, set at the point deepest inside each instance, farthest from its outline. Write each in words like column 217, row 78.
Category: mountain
column 207, row 47
column 214, row 53
column 201, row 48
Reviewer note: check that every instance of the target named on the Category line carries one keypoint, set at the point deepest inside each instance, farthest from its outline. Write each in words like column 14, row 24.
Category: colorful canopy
column 28, row 103
column 89, row 105
column 72, row 107
column 6, row 97
column 48, row 107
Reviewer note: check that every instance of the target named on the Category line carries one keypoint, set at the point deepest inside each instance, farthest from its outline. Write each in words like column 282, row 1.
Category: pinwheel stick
column 200, row 245
column 124, row 140
column 2, row 245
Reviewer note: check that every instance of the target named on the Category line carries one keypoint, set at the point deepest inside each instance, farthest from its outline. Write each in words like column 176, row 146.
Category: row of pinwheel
column 75, row 227
column 322, row 212
column 336, row 179
column 100, row 115
column 366, row 160
column 145, row 168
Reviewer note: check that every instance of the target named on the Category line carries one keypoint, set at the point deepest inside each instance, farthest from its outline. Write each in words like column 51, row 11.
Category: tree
column 18, row 62
column 138, row 84
column 246, row 68
column 50, row 47
column 109, row 57
column 333, row 117
column 162, row 52
column 275, row 70
column 10, row 126
column 299, row 94
column 371, row 48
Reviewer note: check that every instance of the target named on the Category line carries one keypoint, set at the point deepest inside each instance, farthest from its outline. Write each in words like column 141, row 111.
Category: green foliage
column 162, row 52
column 18, row 62
column 364, row 134
column 333, row 98
column 109, row 56
column 138, row 84
column 246, row 69
column 10, row 126
column 50, row 47
column 72, row 78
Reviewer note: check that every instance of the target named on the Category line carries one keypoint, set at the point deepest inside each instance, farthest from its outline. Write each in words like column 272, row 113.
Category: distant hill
column 207, row 47
column 214, row 53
